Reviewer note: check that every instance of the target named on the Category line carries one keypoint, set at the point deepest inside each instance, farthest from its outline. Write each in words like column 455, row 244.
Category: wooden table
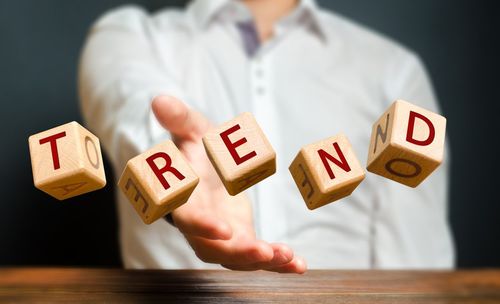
column 192, row 286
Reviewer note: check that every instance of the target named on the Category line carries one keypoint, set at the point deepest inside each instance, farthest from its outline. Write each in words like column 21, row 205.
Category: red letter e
column 231, row 146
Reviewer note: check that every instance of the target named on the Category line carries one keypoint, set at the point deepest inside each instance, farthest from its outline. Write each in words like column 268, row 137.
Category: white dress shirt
column 319, row 75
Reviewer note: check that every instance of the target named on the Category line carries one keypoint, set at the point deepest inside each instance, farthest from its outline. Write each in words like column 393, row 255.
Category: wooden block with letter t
column 326, row 171
column 240, row 153
column 66, row 161
column 158, row 181
column 407, row 143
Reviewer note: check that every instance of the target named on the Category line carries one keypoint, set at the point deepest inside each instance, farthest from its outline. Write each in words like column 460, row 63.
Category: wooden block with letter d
column 407, row 143
column 158, row 181
column 66, row 161
column 240, row 153
column 326, row 171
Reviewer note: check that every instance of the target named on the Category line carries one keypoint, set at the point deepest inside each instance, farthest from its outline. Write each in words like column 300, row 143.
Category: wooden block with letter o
column 326, row 171
column 240, row 153
column 66, row 161
column 158, row 181
column 407, row 143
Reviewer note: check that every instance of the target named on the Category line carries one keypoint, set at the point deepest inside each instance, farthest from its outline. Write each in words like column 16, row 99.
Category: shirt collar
column 204, row 12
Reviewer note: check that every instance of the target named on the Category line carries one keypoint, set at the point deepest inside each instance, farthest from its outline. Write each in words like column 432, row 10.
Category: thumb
column 178, row 119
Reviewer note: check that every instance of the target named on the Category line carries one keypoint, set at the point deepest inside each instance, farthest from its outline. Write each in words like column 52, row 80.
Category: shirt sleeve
column 411, row 224
column 119, row 74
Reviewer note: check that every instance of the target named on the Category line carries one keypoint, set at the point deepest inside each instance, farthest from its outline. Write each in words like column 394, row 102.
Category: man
column 306, row 74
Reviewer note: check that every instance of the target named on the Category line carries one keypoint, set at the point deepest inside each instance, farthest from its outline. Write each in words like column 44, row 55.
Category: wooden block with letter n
column 158, row 181
column 240, row 153
column 66, row 161
column 326, row 171
column 407, row 143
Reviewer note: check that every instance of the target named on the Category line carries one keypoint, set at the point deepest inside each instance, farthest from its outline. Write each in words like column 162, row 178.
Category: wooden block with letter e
column 158, row 181
column 407, row 143
column 240, row 153
column 66, row 161
column 326, row 171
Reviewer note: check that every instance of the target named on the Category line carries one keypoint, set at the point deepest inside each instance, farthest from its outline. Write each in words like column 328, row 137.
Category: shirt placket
column 269, row 225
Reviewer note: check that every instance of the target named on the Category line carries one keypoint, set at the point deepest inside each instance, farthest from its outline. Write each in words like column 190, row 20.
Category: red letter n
column 325, row 157
column 167, row 168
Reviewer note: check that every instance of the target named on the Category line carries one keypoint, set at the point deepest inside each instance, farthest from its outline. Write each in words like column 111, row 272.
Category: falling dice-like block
column 158, row 181
column 240, row 153
column 66, row 161
column 407, row 143
column 326, row 171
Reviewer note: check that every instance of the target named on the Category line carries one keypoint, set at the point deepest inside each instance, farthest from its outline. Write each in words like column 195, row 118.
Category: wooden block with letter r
column 66, row 161
column 158, row 181
column 407, row 143
column 240, row 153
column 326, row 171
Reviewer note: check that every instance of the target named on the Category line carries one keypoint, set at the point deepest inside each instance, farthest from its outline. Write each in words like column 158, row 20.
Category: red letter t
column 53, row 147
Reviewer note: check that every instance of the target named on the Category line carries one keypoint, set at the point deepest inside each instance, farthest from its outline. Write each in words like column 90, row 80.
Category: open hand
column 218, row 226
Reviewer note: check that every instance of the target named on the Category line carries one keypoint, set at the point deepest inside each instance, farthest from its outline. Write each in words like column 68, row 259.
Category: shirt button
column 260, row 91
column 259, row 73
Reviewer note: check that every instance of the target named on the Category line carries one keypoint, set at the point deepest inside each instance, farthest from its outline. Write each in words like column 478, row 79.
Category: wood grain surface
column 66, row 161
column 154, row 195
column 204, row 286
column 399, row 150
column 316, row 184
column 246, row 158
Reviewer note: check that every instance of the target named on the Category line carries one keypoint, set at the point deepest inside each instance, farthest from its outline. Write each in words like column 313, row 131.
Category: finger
column 196, row 223
column 282, row 255
column 232, row 252
column 297, row 265
column 177, row 118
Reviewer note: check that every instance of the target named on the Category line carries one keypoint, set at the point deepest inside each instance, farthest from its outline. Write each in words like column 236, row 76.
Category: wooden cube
column 407, row 143
column 240, row 153
column 158, row 181
column 326, row 171
column 66, row 161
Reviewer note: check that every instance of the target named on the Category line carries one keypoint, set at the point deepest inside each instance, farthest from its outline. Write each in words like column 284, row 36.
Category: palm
column 210, row 197
column 218, row 226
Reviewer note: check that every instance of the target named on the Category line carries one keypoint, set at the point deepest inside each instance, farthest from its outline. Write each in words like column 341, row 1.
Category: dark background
column 39, row 48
